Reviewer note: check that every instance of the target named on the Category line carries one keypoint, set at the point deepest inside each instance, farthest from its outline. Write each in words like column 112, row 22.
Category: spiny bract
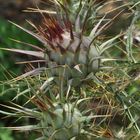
column 69, row 34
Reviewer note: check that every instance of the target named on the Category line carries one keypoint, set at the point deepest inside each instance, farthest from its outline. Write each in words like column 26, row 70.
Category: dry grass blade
column 34, row 10
column 24, row 128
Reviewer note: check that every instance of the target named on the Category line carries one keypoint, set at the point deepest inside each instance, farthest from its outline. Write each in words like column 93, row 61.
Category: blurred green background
column 12, row 10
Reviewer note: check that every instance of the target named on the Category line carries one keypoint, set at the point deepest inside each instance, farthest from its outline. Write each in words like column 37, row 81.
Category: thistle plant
column 80, row 89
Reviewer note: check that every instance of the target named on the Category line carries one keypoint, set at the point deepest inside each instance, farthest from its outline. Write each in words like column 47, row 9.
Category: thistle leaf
column 31, row 33
column 32, row 53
